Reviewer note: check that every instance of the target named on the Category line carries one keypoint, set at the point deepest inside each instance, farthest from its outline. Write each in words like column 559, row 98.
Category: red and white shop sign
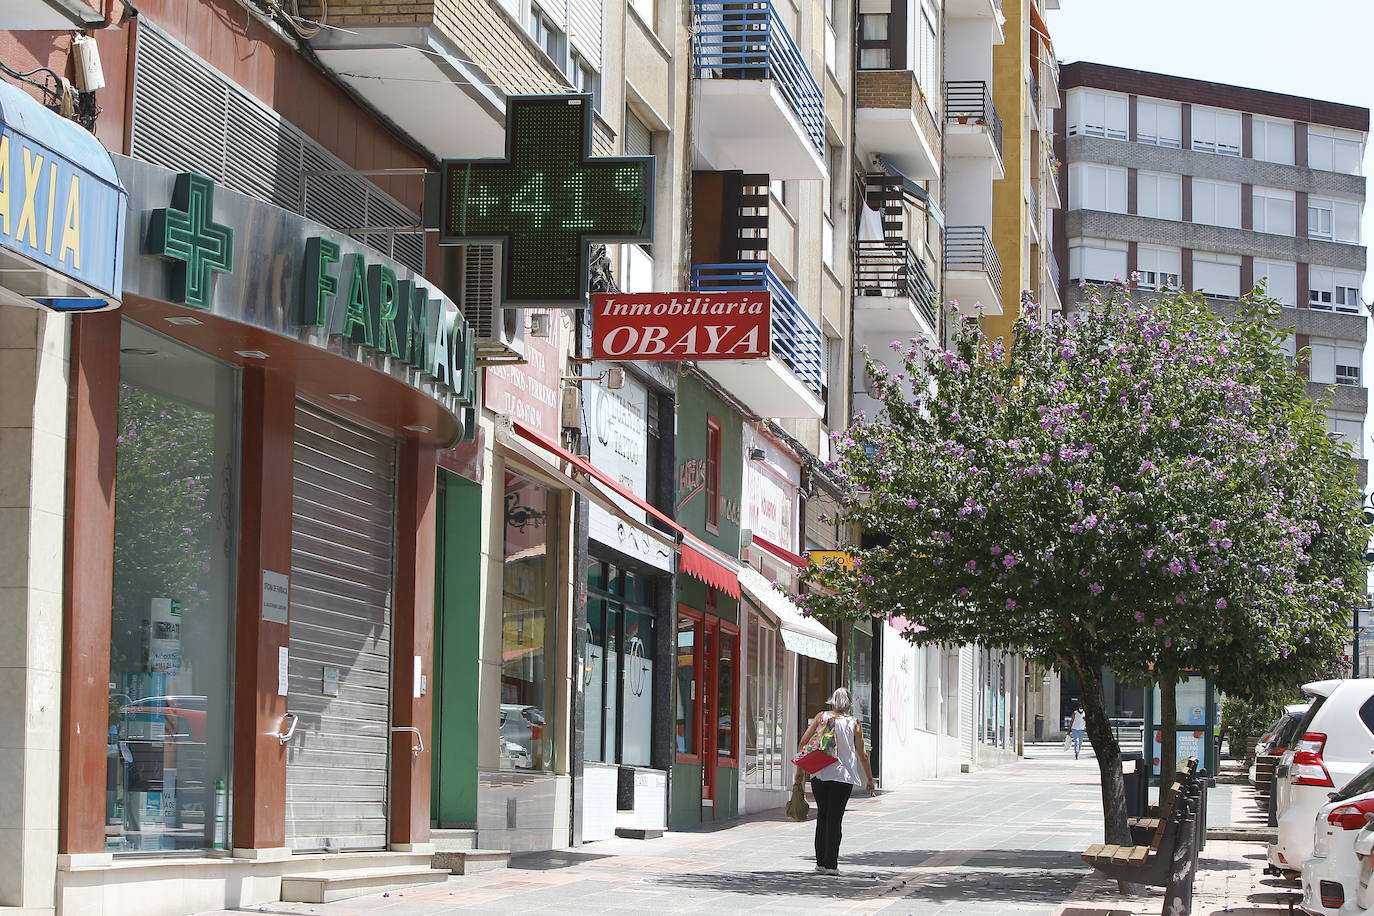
column 682, row 326
column 529, row 393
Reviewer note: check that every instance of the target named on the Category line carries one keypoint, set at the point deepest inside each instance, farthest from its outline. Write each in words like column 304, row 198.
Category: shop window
column 619, row 677
column 713, row 475
column 171, row 638
column 727, row 695
column 528, row 625
column 861, row 677
column 764, row 749
column 687, row 700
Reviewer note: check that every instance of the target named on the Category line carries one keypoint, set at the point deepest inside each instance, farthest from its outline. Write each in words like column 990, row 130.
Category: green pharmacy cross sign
column 546, row 200
column 186, row 233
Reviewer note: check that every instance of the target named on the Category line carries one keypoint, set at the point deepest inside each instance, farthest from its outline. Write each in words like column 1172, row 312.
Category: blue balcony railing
column 748, row 41
column 796, row 337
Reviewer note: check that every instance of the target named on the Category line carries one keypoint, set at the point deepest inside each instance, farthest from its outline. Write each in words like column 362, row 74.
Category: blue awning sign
column 61, row 209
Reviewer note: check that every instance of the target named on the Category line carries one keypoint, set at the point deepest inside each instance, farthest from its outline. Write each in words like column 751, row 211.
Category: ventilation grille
column 188, row 117
column 479, row 290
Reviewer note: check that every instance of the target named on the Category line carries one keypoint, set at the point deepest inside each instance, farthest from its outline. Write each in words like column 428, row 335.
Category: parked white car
column 1364, row 850
column 1331, row 875
column 1335, row 742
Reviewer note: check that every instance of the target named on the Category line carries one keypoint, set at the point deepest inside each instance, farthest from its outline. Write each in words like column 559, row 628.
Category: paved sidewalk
column 1002, row 841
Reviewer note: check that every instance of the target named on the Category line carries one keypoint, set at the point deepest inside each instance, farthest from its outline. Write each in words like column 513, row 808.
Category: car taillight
column 1351, row 816
column 537, row 732
column 1307, row 768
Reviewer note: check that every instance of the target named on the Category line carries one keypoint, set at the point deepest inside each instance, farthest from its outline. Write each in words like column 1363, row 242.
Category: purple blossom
column 971, row 565
column 963, row 593
column 1009, row 561
column 1095, row 588
column 1011, row 604
column 1139, row 616
column 1221, row 604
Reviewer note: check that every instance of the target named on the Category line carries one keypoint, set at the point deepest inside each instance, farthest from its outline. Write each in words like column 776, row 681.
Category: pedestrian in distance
column 832, row 786
column 1078, row 729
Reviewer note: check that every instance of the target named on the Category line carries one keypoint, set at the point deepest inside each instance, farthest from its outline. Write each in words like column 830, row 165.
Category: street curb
column 1243, row 834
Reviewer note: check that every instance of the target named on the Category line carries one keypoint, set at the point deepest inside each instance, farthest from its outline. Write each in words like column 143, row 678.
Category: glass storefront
column 171, row 652
column 861, row 676
column 528, row 625
column 765, row 750
column 686, row 710
column 618, row 679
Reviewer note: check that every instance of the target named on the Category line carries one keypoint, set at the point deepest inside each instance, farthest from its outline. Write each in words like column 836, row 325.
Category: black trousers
column 831, row 799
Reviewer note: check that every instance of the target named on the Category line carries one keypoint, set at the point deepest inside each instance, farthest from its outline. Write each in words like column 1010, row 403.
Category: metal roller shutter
column 342, row 544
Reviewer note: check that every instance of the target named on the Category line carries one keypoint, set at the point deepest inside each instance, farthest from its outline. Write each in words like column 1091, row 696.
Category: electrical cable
column 50, row 96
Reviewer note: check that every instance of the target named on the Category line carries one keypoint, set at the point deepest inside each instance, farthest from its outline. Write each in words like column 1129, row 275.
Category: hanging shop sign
column 233, row 256
column 772, row 485
column 61, row 209
column 530, row 394
column 682, row 326
column 545, row 201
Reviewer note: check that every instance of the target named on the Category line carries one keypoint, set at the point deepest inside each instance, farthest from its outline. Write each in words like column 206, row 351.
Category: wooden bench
column 1150, row 864
column 1142, row 828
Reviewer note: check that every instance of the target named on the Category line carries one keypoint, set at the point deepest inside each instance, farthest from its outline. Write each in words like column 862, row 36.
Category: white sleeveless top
column 846, row 767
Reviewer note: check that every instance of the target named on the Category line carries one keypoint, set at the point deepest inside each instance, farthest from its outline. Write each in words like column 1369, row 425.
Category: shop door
column 717, row 673
column 339, row 670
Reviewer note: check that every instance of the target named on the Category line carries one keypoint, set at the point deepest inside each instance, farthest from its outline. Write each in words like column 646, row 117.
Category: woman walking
column 833, row 785
column 1078, row 728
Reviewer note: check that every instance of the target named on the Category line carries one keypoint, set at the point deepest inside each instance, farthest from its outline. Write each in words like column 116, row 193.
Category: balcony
column 973, row 272
column 894, row 118
column 49, row 15
column 893, row 292
column 973, row 128
column 760, row 109
column 789, row 384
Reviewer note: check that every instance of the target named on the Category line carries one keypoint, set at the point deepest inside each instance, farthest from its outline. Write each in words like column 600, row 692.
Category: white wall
column 968, row 49
column 968, row 192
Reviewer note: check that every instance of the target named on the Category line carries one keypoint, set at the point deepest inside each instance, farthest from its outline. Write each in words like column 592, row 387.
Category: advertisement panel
column 682, row 326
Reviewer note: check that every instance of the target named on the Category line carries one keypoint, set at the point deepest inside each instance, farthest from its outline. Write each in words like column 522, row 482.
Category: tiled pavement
column 1000, row 841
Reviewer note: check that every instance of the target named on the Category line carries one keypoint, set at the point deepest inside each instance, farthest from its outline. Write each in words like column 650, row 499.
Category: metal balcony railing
column 970, row 248
column 970, row 102
column 797, row 338
column 1054, row 271
column 891, row 268
column 1035, row 94
column 748, row 41
column 1035, row 206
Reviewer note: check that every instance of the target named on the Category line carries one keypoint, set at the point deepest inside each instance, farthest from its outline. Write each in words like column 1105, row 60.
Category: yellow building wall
column 1010, row 64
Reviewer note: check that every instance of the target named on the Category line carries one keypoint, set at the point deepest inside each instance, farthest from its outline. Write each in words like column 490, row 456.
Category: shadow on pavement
column 1049, row 859
column 556, row 858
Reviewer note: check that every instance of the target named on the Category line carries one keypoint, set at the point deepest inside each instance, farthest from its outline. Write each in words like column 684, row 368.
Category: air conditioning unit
column 498, row 333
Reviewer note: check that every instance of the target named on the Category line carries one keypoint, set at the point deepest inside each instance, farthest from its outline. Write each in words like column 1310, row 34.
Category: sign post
column 546, row 200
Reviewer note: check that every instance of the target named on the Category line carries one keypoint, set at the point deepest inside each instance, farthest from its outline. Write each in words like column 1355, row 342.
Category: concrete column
column 33, row 447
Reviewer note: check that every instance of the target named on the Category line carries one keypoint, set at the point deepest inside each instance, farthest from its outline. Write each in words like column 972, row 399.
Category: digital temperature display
column 547, row 200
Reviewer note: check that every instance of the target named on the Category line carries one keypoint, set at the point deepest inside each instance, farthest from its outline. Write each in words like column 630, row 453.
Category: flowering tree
column 1140, row 486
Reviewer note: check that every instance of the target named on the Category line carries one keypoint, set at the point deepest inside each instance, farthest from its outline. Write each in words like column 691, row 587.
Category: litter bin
column 1136, row 781
column 1039, row 728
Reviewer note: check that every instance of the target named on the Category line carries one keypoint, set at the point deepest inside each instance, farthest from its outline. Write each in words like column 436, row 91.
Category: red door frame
column 708, row 674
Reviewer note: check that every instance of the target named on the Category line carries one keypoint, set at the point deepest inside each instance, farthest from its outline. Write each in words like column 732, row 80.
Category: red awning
column 696, row 557
column 782, row 553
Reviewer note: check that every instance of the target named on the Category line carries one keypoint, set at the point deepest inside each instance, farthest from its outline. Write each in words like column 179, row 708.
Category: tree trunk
column 1168, row 732
column 1114, row 827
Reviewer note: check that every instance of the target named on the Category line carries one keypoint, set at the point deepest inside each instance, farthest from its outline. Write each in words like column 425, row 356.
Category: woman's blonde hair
column 839, row 700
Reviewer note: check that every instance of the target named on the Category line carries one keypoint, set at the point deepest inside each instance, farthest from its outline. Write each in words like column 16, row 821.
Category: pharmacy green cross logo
column 546, row 200
column 186, row 234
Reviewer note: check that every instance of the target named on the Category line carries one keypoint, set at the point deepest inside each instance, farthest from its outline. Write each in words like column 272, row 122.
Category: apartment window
column 1280, row 279
column 1158, row 123
column 928, row 71
column 1216, row 203
column 1332, row 289
column 1097, row 260
column 1159, row 194
column 1333, row 363
column 1273, row 211
column 647, row 10
column 712, row 475
column 1097, row 187
column 1159, row 266
column 1097, row 114
column 548, row 35
column 875, row 47
column 587, row 78
column 1272, row 140
column 1337, row 220
column 831, row 50
column 1216, row 130
column 1347, row 429
column 1334, row 150
column 1217, row 275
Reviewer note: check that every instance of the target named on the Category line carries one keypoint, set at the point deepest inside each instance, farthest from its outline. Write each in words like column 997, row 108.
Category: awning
column 696, row 557
column 782, row 553
column 800, row 634
column 69, row 254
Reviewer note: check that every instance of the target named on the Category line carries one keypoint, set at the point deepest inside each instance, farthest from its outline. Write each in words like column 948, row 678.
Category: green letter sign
column 546, row 200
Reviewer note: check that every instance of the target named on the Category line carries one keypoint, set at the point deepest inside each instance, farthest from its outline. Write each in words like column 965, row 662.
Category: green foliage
column 1141, row 486
column 1243, row 718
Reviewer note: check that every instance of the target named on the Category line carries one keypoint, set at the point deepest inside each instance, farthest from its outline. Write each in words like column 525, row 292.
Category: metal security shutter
column 342, row 544
column 968, row 699
column 638, row 140
column 188, row 117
